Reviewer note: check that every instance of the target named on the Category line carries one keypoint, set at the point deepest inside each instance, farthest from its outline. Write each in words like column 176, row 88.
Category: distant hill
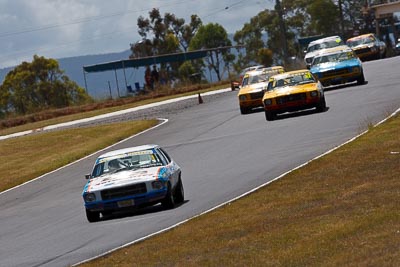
column 97, row 84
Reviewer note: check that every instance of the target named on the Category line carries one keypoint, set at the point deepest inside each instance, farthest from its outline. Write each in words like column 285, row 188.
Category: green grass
column 28, row 157
column 339, row 210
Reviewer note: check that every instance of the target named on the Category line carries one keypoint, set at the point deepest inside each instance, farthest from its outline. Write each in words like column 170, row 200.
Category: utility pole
column 283, row 30
column 341, row 19
column 109, row 88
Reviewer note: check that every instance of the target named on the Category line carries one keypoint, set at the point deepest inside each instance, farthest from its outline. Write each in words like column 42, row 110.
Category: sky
column 68, row 28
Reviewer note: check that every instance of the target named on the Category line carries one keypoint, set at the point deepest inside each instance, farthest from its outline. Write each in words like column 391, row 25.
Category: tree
column 251, row 36
column 210, row 36
column 38, row 85
column 354, row 18
column 162, row 35
column 324, row 17
column 183, row 32
column 264, row 56
column 301, row 18
column 189, row 72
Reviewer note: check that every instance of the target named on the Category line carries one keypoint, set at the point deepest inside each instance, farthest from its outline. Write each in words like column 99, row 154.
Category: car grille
column 333, row 73
column 290, row 98
column 123, row 191
column 258, row 95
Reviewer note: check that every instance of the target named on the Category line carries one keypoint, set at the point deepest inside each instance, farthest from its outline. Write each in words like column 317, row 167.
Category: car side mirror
column 88, row 176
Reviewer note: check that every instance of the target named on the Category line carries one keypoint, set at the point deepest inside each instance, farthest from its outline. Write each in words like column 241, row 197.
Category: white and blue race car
column 131, row 178
column 336, row 66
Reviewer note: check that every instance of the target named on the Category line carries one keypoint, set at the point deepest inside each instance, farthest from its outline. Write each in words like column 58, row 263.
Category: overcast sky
column 67, row 28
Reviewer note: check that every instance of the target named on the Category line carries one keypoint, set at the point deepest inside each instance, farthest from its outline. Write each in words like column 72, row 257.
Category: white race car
column 316, row 46
column 131, row 178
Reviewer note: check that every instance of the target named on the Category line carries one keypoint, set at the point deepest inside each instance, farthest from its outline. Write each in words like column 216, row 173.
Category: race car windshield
column 338, row 57
column 360, row 41
column 324, row 45
column 297, row 79
column 126, row 162
column 254, row 79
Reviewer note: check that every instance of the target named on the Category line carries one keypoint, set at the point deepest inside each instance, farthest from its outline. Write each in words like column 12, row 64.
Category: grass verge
column 339, row 210
column 42, row 150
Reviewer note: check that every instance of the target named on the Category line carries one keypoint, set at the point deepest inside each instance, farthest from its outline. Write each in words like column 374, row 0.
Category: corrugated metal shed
column 145, row 61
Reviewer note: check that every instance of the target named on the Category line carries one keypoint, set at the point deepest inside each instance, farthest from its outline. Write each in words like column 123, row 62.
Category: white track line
column 116, row 113
column 236, row 198
column 163, row 121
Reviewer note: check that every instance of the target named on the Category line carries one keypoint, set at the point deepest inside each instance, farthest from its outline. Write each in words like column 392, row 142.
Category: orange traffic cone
column 200, row 99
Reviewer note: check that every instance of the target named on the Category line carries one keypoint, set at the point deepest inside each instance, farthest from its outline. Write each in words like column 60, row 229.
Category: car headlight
column 267, row 102
column 89, row 197
column 163, row 174
column 356, row 69
column 242, row 98
column 157, row 185
column 314, row 93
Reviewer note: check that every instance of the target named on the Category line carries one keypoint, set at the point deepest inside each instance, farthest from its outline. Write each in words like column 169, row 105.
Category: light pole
column 341, row 19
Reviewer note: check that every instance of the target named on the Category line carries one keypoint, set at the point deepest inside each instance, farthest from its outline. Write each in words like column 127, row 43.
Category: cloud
column 63, row 28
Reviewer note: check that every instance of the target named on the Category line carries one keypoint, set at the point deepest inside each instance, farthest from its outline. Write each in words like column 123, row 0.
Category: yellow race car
column 253, row 86
column 292, row 91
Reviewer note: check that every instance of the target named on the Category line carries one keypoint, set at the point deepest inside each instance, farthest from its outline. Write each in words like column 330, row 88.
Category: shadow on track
column 298, row 114
column 341, row 86
column 138, row 211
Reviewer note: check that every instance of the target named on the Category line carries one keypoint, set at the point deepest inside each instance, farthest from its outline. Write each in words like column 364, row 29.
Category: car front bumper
column 254, row 103
column 294, row 105
column 127, row 202
column 340, row 77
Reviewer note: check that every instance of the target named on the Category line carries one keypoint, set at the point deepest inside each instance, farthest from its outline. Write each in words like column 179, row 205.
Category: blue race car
column 337, row 65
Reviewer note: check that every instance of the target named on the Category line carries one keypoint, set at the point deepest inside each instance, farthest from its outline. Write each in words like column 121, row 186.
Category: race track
column 222, row 154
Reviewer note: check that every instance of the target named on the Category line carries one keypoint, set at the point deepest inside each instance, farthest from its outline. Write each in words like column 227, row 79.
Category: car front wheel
column 169, row 201
column 244, row 110
column 92, row 216
column 269, row 115
column 321, row 107
column 361, row 79
column 179, row 192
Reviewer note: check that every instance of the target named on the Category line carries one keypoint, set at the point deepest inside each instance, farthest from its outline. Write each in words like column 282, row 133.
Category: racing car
column 338, row 65
column 132, row 178
column 253, row 87
column 293, row 91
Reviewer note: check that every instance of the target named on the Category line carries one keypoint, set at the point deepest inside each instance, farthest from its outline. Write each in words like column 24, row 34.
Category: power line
column 57, row 46
column 86, row 19
column 109, row 35
column 89, row 19
column 223, row 9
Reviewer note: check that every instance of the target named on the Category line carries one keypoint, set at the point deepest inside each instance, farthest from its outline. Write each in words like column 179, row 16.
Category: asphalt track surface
column 222, row 154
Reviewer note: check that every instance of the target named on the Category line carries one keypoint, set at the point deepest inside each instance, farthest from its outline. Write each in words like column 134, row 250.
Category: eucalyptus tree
column 163, row 34
column 300, row 17
column 212, row 36
column 38, row 85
